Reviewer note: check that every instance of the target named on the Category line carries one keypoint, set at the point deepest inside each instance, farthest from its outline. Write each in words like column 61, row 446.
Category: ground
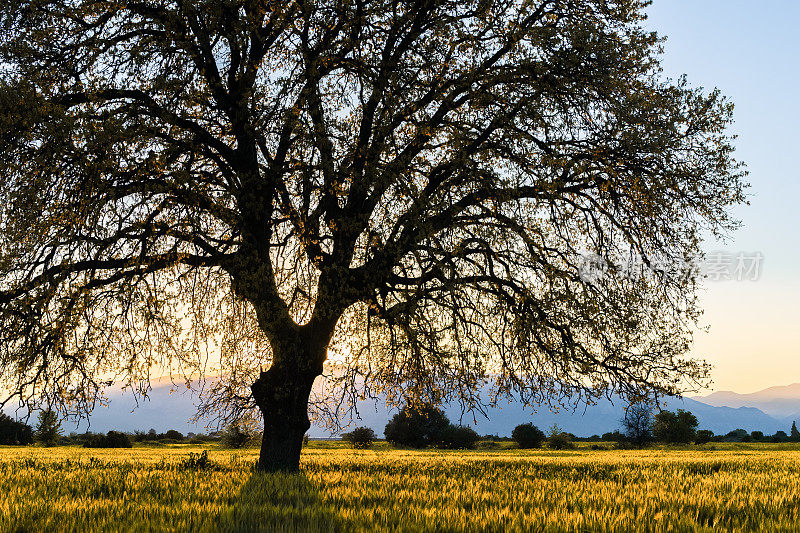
column 727, row 487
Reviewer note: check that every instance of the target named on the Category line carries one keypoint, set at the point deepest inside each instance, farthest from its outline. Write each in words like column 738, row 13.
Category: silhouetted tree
column 416, row 426
column 14, row 432
column 455, row 437
column 527, row 436
column 173, row 435
column 360, row 437
column 795, row 434
column 779, row 436
column 48, row 428
column 675, row 428
column 112, row 439
column 704, row 436
column 420, row 180
column 615, row 436
column 737, row 434
column 637, row 422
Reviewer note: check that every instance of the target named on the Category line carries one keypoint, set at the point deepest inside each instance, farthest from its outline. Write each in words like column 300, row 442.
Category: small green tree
column 48, row 430
column 174, row 435
column 455, row 437
column 360, row 437
column 527, row 436
column 795, row 435
column 675, row 428
column 416, row 426
column 779, row 436
column 704, row 436
column 737, row 435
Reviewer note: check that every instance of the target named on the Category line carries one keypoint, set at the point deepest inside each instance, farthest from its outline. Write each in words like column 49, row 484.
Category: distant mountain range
column 170, row 406
column 781, row 403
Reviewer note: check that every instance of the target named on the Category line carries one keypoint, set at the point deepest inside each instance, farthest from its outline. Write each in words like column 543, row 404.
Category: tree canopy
column 637, row 422
column 403, row 194
column 48, row 428
column 675, row 427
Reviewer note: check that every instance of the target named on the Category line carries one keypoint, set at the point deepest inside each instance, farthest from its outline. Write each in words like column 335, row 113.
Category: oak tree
column 401, row 194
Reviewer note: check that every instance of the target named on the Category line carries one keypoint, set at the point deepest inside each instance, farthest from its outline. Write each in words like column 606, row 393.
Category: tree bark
column 281, row 394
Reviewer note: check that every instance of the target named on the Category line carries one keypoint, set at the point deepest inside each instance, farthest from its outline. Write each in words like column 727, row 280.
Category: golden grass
column 151, row 489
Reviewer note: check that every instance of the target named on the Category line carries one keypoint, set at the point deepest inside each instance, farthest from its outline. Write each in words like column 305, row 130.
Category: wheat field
column 753, row 488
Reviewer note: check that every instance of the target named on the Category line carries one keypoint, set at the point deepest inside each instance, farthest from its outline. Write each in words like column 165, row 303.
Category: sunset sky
column 749, row 50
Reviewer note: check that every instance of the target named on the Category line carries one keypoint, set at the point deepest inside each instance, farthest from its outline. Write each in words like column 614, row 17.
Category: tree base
column 283, row 401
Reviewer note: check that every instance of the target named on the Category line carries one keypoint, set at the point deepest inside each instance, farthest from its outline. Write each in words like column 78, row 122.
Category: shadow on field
column 278, row 502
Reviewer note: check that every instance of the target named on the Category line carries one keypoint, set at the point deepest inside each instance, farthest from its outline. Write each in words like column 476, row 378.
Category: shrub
column 14, row 432
column 779, row 436
column 174, row 435
column 704, row 436
column 737, row 435
column 528, row 436
column 117, row 439
column 235, row 436
column 112, row 439
column 197, row 461
column 201, row 438
column 458, row 438
column 150, row 436
column 497, row 438
column 614, row 436
column 360, row 437
column 416, row 427
column 561, row 441
column 674, row 428
column 558, row 440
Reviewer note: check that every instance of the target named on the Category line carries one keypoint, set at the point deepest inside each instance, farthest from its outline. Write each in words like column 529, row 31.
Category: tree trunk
column 282, row 395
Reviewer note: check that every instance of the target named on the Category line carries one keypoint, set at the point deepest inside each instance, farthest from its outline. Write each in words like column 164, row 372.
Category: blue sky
column 750, row 51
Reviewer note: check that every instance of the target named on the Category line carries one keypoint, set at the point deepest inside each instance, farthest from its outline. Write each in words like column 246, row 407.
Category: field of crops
column 161, row 489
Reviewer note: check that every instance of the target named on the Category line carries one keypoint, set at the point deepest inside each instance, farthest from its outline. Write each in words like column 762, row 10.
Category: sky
column 749, row 50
